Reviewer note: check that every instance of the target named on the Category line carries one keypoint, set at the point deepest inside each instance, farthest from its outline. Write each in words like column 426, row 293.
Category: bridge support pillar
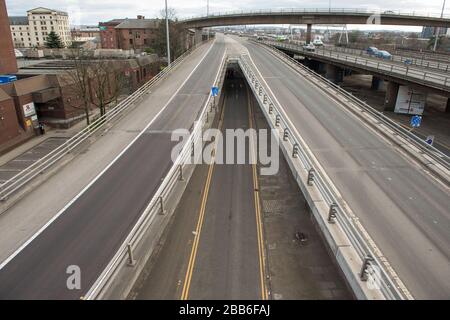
column 308, row 33
column 447, row 109
column 198, row 36
column 391, row 96
column 376, row 83
column 334, row 73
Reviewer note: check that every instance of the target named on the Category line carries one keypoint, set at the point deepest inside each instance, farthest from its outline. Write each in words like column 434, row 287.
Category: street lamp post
column 437, row 29
column 167, row 35
column 207, row 13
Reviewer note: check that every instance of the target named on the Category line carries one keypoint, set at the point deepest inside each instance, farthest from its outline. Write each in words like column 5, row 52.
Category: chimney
column 140, row 17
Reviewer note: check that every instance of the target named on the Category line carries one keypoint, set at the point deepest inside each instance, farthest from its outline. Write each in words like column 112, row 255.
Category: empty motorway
column 233, row 234
column 404, row 210
column 90, row 228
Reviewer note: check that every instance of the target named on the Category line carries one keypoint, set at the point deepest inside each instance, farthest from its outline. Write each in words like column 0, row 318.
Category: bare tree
column 77, row 80
column 92, row 82
column 177, row 35
column 107, row 83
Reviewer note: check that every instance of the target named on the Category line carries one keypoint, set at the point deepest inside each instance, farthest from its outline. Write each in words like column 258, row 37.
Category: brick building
column 44, row 94
column 10, row 129
column 8, row 63
column 108, row 36
column 137, row 34
column 127, row 34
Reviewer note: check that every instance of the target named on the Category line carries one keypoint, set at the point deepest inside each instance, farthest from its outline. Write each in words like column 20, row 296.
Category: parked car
column 318, row 43
column 372, row 51
column 309, row 47
column 408, row 62
column 383, row 54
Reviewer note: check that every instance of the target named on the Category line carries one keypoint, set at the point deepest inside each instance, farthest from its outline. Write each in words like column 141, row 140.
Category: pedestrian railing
column 294, row 11
column 440, row 66
column 436, row 155
column 125, row 256
column 425, row 77
column 46, row 162
column 372, row 263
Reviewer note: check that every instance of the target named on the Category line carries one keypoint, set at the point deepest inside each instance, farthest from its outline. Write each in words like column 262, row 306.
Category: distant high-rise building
column 32, row 30
column 428, row 32
column 8, row 63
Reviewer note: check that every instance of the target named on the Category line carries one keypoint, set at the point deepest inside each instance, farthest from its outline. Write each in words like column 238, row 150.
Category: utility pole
column 167, row 35
column 437, row 29
column 207, row 14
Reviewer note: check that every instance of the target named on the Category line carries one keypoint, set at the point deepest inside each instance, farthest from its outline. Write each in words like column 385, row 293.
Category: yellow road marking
column 192, row 258
column 262, row 267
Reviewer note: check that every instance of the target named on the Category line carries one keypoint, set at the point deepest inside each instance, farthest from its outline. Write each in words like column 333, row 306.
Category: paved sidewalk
column 35, row 141
column 29, row 157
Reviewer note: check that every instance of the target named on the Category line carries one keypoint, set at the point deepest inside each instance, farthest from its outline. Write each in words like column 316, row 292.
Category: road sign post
column 416, row 121
column 430, row 140
column 214, row 94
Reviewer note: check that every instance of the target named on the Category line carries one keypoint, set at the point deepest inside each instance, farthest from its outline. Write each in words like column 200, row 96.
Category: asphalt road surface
column 403, row 209
column 227, row 264
column 432, row 76
column 212, row 249
column 92, row 227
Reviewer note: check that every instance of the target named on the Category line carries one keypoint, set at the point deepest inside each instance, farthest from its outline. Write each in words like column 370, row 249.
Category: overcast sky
column 90, row 12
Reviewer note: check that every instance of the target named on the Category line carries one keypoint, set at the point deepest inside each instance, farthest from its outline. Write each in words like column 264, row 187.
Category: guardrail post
column 180, row 170
column 364, row 275
column 332, row 213
column 277, row 121
column 295, row 151
column 310, row 180
column 161, row 206
column 131, row 261
column 285, row 134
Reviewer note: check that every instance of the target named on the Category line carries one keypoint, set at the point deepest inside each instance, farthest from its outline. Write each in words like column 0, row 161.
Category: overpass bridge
column 434, row 79
column 317, row 16
column 108, row 217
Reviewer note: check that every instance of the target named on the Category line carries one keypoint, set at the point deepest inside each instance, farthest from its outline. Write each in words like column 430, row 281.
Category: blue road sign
column 214, row 91
column 430, row 140
column 416, row 121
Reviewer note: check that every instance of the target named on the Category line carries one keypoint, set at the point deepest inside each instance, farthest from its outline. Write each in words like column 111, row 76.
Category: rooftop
column 46, row 11
column 18, row 20
column 139, row 24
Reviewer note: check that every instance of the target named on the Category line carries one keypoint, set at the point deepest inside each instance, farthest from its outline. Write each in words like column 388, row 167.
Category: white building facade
column 32, row 30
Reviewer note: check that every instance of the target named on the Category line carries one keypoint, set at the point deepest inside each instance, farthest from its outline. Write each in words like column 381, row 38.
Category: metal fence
column 435, row 154
column 34, row 170
column 293, row 11
column 156, row 205
column 389, row 284
column 434, row 79
column 420, row 62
